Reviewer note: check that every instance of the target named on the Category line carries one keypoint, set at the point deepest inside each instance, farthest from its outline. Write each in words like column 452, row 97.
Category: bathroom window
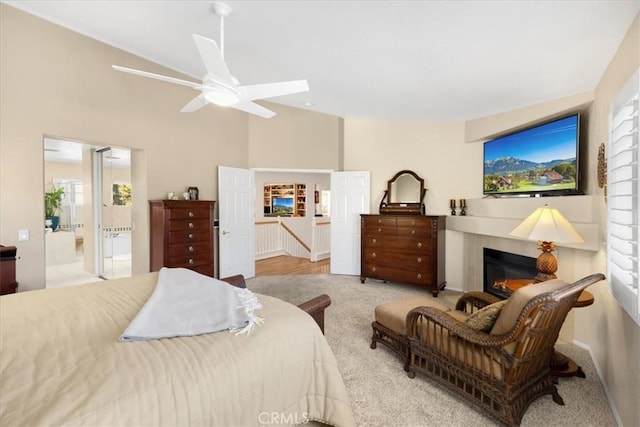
column 121, row 194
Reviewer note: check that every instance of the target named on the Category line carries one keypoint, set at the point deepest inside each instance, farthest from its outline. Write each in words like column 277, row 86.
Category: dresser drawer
column 188, row 236
column 413, row 232
column 190, row 224
column 189, row 249
column 409, row 260
column 411, row 221
column 187, row 261
column 418, row 276
column 384, row 230
column 389, row 243
column 189, row 213
column 379, row 221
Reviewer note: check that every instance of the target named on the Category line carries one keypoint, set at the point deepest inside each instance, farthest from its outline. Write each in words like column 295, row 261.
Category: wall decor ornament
column 602, row 169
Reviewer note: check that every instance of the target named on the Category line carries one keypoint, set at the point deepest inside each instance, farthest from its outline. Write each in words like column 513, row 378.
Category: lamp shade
column 548, row 225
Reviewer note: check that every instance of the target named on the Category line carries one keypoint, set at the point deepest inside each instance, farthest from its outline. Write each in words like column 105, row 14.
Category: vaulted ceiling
column 402, row 60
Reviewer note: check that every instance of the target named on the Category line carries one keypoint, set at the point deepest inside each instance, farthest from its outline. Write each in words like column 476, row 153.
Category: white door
column 236, row 234
column 350, row 196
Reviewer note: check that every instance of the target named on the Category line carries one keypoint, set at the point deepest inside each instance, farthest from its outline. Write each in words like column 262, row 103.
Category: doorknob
column 224, row 232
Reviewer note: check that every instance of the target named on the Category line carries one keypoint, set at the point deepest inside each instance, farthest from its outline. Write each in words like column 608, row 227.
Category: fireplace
column 499, row 266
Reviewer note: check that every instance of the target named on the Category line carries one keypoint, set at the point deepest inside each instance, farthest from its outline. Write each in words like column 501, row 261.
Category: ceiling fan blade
column 157, row 76
column 212, row 59
column 195, row 104
column 253, row 108
column 270, row 90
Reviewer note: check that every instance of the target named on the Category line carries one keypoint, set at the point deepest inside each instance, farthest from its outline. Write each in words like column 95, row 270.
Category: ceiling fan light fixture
column 222, row 99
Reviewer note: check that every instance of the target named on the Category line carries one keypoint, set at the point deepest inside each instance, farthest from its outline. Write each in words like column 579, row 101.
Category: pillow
column 483, row 319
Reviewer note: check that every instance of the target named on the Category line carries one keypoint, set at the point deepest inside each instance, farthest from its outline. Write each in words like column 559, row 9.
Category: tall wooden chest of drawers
column 404, row 248
column 182, row 235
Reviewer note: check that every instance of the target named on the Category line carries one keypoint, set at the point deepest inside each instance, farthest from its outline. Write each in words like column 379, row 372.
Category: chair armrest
column 315, row 307
column 473, row 301
column 237, row 281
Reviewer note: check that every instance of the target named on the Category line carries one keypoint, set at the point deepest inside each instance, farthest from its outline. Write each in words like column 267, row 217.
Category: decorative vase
column 55, row 221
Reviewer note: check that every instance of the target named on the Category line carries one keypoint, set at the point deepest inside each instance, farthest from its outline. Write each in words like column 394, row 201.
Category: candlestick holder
column 452, row 205
column 463, row 207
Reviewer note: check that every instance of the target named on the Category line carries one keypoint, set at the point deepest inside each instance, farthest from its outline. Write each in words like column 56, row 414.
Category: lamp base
column 543, row 277
column 546, row 264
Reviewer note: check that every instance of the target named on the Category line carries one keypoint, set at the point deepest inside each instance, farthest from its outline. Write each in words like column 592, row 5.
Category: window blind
column 622, row 200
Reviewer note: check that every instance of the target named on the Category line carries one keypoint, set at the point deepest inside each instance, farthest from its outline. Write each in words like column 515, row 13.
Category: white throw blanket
column 186, row 303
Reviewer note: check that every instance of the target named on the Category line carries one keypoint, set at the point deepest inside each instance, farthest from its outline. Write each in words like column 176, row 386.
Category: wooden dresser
column 8, row 284
column 404, row 248
column 182, row 235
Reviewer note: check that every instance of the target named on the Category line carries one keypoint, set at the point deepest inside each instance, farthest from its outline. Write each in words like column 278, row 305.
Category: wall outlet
column 23, row 235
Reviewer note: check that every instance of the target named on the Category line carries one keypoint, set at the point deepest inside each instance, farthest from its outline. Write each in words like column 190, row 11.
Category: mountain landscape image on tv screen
column 541, row 159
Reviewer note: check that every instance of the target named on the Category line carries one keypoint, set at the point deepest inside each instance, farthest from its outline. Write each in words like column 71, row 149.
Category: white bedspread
column 61, row 364
column 185, row 303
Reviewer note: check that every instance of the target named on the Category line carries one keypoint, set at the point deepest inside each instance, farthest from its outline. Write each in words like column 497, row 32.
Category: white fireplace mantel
column 488, row 217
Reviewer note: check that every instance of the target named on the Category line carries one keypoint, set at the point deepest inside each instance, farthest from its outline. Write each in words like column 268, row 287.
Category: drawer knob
column 379, row 221
column 190, row 261
column 190, row 225
column 190, row 236
column 190, row 214
column 373, row 255
column 419, row 276
column 419, row 245
column 190, row 248
column 374, row 240
column 373, row 269
column 413, row 231
column 379, row 230
column 419, row 260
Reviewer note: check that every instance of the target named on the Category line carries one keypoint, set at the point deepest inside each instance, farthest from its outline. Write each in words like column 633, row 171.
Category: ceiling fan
column 218, row 85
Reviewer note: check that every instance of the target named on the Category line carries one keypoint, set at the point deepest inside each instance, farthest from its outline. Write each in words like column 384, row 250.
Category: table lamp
column 548, row 226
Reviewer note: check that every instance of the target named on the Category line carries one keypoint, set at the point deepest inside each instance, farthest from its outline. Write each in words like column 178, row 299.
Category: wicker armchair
column 502, row 371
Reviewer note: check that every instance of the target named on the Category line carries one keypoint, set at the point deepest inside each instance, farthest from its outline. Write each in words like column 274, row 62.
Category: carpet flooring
column 380, row 391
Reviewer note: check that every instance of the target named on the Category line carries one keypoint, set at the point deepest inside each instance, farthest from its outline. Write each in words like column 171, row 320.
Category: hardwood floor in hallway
column 290, row 265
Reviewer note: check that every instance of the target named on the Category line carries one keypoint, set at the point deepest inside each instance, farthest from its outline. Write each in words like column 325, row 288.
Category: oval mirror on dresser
column 404, row 195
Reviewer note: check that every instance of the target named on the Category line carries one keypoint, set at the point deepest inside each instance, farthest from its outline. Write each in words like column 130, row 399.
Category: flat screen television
column 542, row 159
column 282, row 205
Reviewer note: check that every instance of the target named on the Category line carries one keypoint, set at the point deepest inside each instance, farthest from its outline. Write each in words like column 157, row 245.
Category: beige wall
column 606, row 328
column 295, row 138
column 484, row 128
column 59, row 83
column 434, row 150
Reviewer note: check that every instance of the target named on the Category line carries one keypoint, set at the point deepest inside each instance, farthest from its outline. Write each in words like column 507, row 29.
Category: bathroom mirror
column 404, row 195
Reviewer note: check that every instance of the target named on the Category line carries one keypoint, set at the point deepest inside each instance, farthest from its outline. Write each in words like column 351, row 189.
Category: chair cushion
column 516, row 302
column 393, row 314
column 484, row 319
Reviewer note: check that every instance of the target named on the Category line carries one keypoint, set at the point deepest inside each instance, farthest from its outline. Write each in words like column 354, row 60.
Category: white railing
column 320, row 240
column 274, row 238
column 269, row 239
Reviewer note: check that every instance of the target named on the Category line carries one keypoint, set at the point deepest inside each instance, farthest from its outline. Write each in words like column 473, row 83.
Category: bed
column 61, row 364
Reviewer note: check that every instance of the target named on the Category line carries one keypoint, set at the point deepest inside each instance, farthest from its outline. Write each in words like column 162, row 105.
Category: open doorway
column 88, row 230
column 291, row 226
